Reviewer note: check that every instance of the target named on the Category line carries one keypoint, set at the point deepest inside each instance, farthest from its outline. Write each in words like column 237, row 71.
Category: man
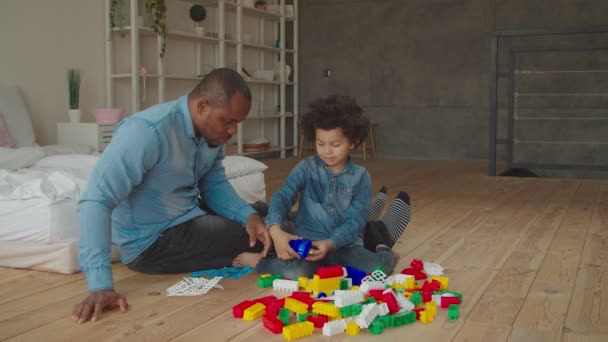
column 143, row 193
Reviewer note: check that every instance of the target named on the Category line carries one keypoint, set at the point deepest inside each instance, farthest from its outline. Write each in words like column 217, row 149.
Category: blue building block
column 355, row 274
column 302, row 247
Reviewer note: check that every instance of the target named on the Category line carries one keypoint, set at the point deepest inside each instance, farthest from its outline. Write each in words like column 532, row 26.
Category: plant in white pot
column 198, row 13
column 74, row 94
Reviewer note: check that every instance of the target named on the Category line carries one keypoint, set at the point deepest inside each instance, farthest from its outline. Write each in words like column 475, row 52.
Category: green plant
column 157, row 15
column 118, row 16
column 74, row 87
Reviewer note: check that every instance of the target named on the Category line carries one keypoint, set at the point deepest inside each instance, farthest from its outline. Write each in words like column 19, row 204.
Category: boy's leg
column 398, row 215
column 205, row 242
column 377, row 205
column 359, row 257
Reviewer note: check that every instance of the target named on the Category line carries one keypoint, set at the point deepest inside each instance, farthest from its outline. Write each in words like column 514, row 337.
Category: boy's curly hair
column 336, row 112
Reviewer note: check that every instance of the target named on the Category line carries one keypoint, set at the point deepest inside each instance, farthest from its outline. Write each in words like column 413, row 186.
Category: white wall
column 39, row 41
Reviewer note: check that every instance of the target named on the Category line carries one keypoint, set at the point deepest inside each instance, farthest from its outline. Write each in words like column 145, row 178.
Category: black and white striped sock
column 398, row 215
column 377, row 205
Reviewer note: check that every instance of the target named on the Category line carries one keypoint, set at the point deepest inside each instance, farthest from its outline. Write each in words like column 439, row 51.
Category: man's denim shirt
column 147, row 180
column 332, row 206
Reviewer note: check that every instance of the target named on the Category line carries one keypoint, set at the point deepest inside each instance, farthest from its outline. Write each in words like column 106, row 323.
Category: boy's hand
column 320, row 249
column 281, row 243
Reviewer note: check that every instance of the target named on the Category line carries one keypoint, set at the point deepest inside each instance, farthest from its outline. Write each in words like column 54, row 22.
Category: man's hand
column 320, row 249
column 257, row 231
column 281, row 239
column 95, row 303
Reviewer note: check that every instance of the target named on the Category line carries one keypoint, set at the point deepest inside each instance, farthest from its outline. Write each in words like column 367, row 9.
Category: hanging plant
column 74, row 88
column 118, row 17
column 157, row 16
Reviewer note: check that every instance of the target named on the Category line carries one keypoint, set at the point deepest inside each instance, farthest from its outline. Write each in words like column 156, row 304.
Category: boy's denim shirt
column 332, row 206
column 148, row 179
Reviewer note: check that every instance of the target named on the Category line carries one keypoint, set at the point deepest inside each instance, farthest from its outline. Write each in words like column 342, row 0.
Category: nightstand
column 94, row 134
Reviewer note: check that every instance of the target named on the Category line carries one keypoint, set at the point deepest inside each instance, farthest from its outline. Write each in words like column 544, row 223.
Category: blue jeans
column 355, row 256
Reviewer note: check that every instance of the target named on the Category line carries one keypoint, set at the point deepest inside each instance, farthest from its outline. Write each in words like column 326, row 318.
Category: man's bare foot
column 247, row 259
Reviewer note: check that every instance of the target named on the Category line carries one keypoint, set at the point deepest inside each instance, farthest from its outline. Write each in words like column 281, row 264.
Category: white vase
column 277, row 72
column 74, row 115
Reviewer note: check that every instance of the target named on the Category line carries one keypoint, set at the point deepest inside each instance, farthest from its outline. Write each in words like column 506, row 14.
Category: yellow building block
column 295, row 305
column 265, row 275
column 432, row 307
column 298, row 330
column 426, row 316
column 410, row 284
column 327, row 285
column 352, row 329
column 302, row 282
column 444, row 281
column 254, row 312
column 326, row 309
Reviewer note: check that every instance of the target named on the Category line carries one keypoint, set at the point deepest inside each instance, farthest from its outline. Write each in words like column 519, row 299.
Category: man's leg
column 205, row 242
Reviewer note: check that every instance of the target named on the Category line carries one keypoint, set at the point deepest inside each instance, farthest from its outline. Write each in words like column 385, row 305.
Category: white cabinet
column 237, row 36
column 94, row 134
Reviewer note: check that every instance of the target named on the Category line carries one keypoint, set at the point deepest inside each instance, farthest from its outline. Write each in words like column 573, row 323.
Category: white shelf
column 229, row 19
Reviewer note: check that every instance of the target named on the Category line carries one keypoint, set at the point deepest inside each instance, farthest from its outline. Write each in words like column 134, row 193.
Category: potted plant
column 157, row 16
column 260, row 4
column 198, row 14
column 117, row 16
column 74, row 94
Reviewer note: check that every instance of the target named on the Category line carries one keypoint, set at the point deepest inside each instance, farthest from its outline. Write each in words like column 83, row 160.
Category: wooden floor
column 529, row 255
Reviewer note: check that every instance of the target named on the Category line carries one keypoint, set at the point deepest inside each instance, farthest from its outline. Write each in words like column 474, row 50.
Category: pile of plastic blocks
column 341, row 300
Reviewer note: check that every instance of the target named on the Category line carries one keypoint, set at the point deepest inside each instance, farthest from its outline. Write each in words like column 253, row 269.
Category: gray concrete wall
column 421, row 68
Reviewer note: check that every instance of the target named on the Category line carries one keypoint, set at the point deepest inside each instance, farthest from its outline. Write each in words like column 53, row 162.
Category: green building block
column 416, row 298
column 284, row 316
column 343, row 284
column 452, row 312
column 376, row 328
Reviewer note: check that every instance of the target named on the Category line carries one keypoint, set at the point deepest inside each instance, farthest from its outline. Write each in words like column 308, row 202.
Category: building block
column 453, row 312
column 330, row 272
column 327, row 285
column 254, row 312
column 389, row 298
column 284, row 316
column 433, row 269
column 302, row 282
column 318, row 321
column 367, row 316
column 265, row 300
column 347, row 298
column 443, row 281
column 274, row 307
column 238, row 310
column 351, row 310
column 418, row 275
column 301, row 246
column 417, row 264
column 334, row 327
column 272, row 323
column 346, row 283
column 446, row 301
column 416, row 298
column 355, row 274
column 326, row 309
column 352, row 329
column 376, row 328
column 296, row 306
column 285, row 285
column 298, row 330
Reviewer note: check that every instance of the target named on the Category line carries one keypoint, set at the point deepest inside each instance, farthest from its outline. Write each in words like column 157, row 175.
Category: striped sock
column 398, row 215
column 377, row 205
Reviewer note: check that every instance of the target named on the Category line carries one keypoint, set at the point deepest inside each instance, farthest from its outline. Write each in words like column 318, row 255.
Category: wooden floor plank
column 543, row 313
column 495, row 312
column 588, row 312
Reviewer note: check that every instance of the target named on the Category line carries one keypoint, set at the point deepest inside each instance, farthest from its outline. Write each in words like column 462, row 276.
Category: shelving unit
column 244, row 38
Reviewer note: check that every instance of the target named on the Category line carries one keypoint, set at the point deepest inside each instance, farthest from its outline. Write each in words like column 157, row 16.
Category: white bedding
column 38, row 216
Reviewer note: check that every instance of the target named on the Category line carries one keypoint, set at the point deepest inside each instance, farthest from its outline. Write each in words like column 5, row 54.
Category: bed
column 40, row 186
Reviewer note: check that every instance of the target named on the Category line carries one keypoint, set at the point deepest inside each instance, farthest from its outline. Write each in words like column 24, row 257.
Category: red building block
column 273, row 308
column 377, row 294
column 426, row 296
column 272, row 323
column 237, row 310
column 417, row 264
column 266, row 300
column 418, row 275
column 318, row 321
column 391, row 302
column 434, row 285
column 417, row 311
column 330, row 272
column 446, row 301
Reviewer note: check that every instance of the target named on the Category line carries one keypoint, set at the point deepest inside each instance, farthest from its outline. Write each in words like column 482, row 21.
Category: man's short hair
column 220, row 85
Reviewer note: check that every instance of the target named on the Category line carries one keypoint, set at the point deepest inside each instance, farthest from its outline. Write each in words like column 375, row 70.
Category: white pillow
column 240, row 166
column 251, row 188
column 16, row 116
column 18, row 158
column 73, row 161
